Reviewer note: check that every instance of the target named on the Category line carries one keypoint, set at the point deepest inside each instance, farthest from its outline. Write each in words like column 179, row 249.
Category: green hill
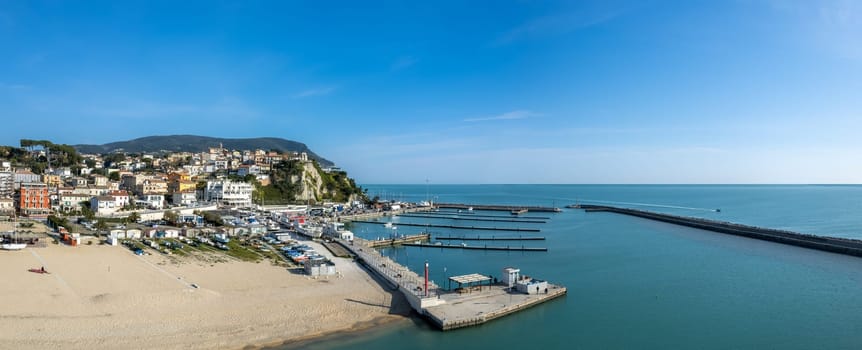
column 192, row 143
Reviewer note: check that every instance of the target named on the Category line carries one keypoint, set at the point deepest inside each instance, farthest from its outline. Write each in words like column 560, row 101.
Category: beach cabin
column 172, row 233
column 190, row 232
column 118, row 233
column 133, row 234
column 319, row 267
column 113, row 240
column 151, row 233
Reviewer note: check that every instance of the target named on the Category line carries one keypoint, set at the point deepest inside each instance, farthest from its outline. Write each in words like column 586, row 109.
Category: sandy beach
column 102, row 297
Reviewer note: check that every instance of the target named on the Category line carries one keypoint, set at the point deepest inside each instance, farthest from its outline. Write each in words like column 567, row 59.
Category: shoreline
column 361, row 327
column 105, row 297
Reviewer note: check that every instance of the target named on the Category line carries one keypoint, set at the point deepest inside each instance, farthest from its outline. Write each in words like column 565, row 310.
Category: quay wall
column 830, row 244
column 395, row 274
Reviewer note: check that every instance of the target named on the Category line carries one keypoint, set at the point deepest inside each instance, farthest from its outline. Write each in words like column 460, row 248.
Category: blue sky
column 458, row 92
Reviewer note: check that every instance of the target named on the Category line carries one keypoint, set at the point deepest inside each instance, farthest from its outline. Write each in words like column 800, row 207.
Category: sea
column 639, row 284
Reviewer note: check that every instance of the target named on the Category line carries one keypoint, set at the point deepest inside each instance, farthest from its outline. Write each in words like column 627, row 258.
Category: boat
column 387, row 225
column 13, row 246
column 273, row 226
column 519, row 211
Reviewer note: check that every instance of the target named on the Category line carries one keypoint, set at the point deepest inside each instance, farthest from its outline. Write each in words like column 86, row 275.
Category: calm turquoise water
column 642, row 284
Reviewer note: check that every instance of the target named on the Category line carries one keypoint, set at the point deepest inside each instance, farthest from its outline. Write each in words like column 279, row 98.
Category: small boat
column 519, row 211
column 718, row 210
column 387, row 225
column 13, row 246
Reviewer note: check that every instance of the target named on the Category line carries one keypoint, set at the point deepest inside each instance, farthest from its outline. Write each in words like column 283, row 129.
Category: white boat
column 13, row 246
column 387, row 225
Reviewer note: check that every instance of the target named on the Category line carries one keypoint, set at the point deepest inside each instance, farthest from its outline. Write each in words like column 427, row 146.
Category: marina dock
column 424, row 237
column 447, row 213
column 483, row 228
column 492, row 238
column 454, row 246
column 509, row 208
column 830, row 244
column 522, row 220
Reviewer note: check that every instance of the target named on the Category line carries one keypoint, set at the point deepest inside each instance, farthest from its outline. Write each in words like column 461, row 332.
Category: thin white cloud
column 513, row 115
column 315, row 92
column 552, row 25
column 833, row 25
column 8, row 86
column 403, row 62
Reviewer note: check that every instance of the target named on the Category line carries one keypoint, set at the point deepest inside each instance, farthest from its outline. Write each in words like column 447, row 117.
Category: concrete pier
column 465, row 310
column 448, row 310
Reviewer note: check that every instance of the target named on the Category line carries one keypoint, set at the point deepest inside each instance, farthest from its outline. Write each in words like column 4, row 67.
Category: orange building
column 34, row 199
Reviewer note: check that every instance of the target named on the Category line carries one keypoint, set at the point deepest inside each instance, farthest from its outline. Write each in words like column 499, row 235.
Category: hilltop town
column 42, row 180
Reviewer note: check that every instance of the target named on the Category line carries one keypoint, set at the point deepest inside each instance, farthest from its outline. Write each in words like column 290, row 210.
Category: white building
column 152, row 201
column 234, row 194
column 184, row 198
column 72, row 201
column 7, row 184
column 103, row 205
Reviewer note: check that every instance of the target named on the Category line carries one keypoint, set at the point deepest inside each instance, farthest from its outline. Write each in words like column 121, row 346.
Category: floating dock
column 830, row 244
column 424, row 237
column 477, row 238
column 509, row 208
column 484, row 228
column 454, row 213
column 522, row 220
column 452, row 246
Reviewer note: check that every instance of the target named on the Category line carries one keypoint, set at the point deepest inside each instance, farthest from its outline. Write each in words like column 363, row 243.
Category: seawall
column 830, row 244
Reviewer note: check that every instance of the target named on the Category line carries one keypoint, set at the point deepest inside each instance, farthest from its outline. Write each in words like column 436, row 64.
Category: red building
column 34, row 199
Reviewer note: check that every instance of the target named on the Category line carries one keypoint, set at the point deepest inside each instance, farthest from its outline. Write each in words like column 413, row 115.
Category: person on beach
column 43, row 269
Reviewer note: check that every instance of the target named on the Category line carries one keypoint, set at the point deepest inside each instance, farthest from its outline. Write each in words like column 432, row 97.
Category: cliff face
column 314, row 185
column 311, row 184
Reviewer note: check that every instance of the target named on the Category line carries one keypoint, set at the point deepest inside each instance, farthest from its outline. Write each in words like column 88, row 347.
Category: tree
column 172, row 217
column 114, row 176
column 101, row 225
column 86, row 211
column 133, row 217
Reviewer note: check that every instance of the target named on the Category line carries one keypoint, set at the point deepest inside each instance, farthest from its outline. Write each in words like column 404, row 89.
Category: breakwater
column 526, row 221
column 497, row 207
column 484, row 228
column 824, row 243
